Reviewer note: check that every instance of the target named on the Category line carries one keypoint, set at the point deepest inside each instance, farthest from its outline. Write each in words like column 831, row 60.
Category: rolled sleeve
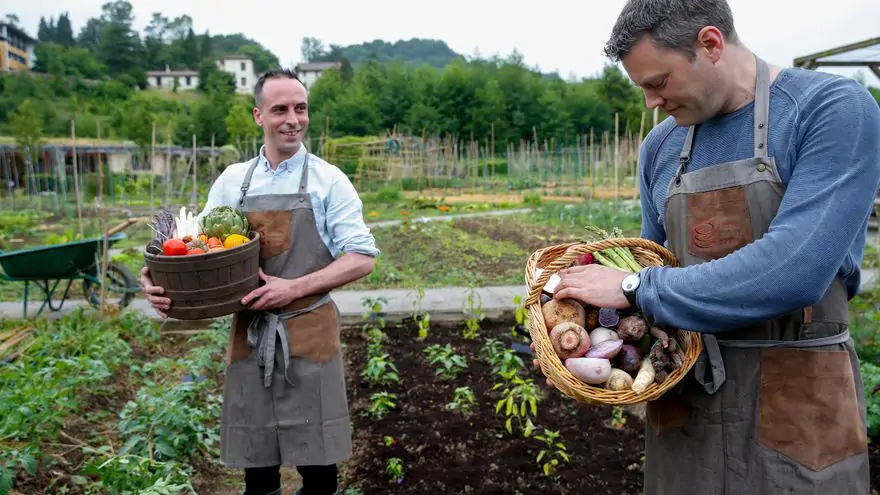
column 345, row 220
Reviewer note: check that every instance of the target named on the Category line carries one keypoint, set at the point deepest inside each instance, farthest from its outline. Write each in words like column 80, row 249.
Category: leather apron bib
column 772, row 408
column 284, row 395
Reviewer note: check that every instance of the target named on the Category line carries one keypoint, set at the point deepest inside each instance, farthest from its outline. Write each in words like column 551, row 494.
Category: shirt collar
column 287, row 165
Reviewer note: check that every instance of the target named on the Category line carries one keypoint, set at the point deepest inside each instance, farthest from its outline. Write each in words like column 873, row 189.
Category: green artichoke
column 223, row 221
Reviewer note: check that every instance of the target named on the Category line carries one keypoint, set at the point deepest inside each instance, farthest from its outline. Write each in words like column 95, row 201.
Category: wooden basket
column 554, row 258
column 208, row 285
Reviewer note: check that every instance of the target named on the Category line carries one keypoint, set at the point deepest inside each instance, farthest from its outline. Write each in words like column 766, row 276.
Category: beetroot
column 629, row 358
column 585, row 259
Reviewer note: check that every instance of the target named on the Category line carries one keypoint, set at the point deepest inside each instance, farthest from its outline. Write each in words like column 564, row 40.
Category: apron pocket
column 315, row 334
column 808, row 407
column 718, row 222
column 275, row 231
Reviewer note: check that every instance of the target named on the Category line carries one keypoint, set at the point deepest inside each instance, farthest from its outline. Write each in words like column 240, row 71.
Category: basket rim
column 195, row 257
column 552, row 366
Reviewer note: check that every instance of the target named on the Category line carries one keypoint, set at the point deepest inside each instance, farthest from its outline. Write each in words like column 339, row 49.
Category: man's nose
column 653, row 100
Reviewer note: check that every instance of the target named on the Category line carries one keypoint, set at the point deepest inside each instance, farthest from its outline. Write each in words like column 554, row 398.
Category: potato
column 619, row 380
column 558, row 311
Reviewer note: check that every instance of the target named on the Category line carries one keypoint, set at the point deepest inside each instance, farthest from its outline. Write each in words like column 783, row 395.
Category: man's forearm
column 348, row 268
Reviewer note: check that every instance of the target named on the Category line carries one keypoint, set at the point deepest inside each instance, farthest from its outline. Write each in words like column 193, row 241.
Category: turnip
column 601, row 334
column 569, row 340
column 605, row 350
column 632, row 327
column 558, row 311
column 629, row 358
column 594, row 371
column 619, row 380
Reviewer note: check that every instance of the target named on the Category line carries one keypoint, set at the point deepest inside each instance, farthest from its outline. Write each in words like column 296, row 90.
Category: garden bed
column 423, row 444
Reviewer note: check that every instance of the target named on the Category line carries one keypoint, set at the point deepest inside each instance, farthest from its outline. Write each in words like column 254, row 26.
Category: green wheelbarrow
column 47, row 267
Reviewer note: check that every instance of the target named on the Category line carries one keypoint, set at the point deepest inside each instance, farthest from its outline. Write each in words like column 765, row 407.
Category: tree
column 312, row 49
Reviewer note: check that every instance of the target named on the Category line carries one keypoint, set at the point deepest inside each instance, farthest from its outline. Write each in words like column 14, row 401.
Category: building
column 309, row 72
column 16, row 48
column 241, row 68
column 173, row 79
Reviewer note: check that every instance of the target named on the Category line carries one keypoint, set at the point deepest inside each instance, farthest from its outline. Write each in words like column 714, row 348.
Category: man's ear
column 258, row 118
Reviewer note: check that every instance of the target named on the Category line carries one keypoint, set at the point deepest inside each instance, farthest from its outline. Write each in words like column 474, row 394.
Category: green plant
column 450, row 363
column 553, row 452
column 462, row 400
column 394, row 469
column 519, row 400
column 380, row 370
column 474, row 313
column 380, row 404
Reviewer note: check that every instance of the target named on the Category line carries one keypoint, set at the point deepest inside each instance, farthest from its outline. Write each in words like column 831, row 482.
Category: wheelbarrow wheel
column 120, row 284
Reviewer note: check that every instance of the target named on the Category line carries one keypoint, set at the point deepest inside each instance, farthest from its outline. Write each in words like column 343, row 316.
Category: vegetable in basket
column 619, row 349
column 222, row 228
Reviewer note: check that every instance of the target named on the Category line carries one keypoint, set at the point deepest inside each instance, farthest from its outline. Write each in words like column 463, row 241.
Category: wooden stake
column 79, row 213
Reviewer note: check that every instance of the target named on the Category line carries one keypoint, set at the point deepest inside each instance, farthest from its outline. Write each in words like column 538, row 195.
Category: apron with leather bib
column 285, row 399
column 771, row 408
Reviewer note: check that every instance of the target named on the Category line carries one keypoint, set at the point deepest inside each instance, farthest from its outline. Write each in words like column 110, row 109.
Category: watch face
column 631, row 282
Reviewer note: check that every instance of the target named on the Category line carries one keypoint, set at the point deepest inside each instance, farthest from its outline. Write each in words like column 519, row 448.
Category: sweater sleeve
column 825, row 208
column 652, row 228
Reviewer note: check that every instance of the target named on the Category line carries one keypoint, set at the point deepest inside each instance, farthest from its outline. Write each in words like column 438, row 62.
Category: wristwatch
column 629, row 286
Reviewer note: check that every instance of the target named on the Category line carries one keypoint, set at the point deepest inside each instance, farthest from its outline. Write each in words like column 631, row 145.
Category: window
column 158, row 81
column 188, row 81
column 244, row 81
column 242, row 68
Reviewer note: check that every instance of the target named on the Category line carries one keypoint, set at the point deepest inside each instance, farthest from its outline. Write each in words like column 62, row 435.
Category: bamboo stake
column 79, row 213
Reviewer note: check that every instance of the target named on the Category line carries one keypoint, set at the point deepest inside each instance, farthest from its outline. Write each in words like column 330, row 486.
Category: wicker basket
column 208, row 285
column 554, row 258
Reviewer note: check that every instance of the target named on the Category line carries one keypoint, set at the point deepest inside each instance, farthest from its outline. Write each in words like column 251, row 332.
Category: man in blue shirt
column 761, row 183
column 284, row 393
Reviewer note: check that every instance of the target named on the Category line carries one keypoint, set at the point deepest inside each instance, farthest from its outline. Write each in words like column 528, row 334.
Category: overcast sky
column 547, row 32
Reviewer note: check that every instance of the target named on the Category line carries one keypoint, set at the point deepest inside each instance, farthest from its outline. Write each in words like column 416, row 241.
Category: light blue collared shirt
column 337, row 206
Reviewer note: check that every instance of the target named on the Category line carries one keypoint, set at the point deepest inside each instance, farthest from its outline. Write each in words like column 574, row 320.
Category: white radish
column 594, row 371
column 644, row 377
column 601, row 334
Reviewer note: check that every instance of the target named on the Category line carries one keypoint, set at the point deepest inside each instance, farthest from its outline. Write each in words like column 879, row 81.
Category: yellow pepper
column 235, row 240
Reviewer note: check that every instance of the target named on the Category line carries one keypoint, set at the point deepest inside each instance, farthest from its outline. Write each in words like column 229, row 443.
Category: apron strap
column 246, row 183
column 762, row 107
column 304, row 178
column 262, row 332
column 710, row 359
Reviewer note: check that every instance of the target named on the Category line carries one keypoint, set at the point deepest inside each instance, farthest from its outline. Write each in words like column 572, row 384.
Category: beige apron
column 285, row 401
column 772, row 408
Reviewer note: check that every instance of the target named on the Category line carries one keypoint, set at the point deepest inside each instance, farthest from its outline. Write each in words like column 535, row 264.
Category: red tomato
column 174, row 247
column 196, row 251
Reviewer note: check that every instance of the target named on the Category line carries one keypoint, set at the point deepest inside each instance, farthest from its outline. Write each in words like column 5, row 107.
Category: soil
column 445, row 452
column 531, row 237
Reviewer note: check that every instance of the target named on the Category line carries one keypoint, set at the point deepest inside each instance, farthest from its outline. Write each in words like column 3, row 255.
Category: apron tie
column 709, row 368
column 262, row 332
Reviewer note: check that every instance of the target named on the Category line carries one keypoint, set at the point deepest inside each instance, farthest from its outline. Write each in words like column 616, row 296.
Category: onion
column 605, row 350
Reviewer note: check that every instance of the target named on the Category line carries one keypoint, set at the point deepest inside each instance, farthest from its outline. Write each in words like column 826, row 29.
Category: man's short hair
column 272, row 74
column 671, row 24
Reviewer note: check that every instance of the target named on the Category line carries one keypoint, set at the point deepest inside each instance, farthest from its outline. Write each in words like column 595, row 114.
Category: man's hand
column 537, row 365
column 276, row 293
column 593, row 284
column 159, row 304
